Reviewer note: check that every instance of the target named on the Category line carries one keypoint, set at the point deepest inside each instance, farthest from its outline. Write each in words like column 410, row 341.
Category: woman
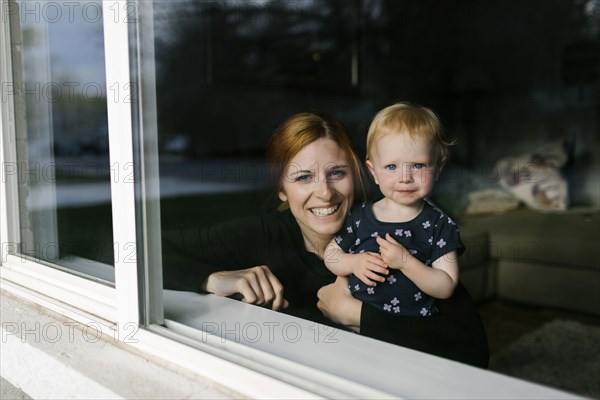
column 276, row 258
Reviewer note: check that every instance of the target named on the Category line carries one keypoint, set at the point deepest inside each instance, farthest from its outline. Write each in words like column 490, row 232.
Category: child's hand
column 366, row 266
column 392, row 252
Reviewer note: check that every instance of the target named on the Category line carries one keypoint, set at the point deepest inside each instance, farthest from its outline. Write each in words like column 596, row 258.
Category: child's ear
column 371, row 169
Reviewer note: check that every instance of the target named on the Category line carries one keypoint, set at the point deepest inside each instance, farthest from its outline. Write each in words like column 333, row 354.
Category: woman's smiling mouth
column 324, row 211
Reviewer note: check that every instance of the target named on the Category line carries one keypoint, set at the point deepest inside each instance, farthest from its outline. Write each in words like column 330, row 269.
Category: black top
column 274, row 239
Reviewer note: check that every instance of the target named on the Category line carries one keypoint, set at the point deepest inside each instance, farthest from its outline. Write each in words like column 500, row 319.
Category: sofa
column 546, row 259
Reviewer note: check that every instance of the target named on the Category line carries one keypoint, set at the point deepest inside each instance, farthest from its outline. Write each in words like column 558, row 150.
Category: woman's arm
column 337, row 304
column 216, row 260
column 455, row 333
column 183, row 268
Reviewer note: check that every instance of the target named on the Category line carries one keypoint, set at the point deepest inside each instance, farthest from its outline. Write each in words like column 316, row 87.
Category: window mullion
column 149, row 226
column 9, row 199
column 122, row 169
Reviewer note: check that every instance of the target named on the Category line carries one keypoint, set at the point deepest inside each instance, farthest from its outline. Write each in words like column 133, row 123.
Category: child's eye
column 391, row 167
column 418, row 166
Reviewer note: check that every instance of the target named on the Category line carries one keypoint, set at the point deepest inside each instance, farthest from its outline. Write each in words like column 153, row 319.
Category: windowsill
column 336, row 364
column 266, row 353
column 46, row 355
column 89, row 269
column 278, row 351
column 342, row 362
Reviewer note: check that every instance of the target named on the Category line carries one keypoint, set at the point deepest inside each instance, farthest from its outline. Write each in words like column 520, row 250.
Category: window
column 62, row 163
column 121, row 119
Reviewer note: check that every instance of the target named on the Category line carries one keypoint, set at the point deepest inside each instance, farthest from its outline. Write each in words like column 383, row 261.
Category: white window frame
column 34, row 281
column 237, row 365
column 113, row 310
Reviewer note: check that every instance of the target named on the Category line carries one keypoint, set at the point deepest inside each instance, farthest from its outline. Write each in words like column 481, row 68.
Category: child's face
column 405, row 169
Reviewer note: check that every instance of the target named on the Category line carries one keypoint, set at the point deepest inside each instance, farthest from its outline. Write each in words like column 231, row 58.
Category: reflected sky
column 69, row 26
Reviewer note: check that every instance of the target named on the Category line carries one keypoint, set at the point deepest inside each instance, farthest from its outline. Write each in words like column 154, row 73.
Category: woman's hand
column 256, row 285
column 337, row 304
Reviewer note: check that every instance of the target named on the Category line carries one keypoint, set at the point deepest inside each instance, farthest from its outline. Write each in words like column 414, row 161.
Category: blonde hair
column 300, row 130
column 417, row 121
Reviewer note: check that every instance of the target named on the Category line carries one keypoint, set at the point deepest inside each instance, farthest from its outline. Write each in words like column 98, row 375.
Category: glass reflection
column 62, row 135
column 504, row 79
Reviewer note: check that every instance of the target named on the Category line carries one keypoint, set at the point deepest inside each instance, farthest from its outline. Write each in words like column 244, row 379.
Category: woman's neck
column 316, row 244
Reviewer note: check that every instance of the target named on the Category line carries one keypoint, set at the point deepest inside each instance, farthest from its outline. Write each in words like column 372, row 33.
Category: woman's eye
column 336, row 174
column 418, row 166
column 303, row 178
column 391, row 167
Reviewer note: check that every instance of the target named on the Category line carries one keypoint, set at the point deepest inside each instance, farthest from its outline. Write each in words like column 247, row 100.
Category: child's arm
column 363, row 265
column 438, row 282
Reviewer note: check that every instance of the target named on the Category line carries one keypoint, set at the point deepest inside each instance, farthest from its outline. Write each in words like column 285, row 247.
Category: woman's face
column 318, row 184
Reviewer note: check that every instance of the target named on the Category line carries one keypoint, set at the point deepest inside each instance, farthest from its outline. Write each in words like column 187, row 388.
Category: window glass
column 62, row 136
column 227, row 73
